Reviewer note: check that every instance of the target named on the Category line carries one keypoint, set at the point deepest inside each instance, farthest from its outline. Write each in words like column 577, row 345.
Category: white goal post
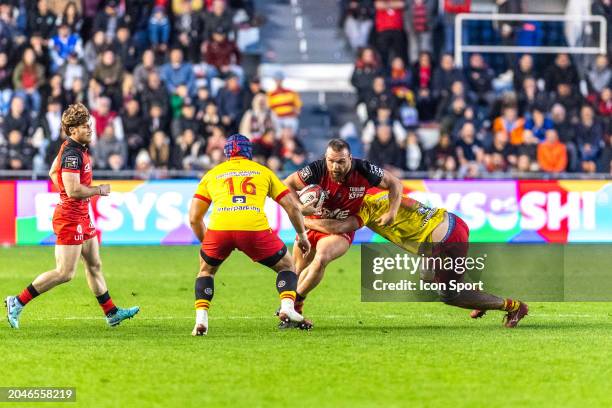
column 507, row 49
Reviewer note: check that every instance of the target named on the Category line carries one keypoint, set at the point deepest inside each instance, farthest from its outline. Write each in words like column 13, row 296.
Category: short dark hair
column 337, row 145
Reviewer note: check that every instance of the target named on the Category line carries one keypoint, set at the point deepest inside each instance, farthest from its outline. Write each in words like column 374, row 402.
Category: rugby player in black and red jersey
column 71, row 172
column 344, row 181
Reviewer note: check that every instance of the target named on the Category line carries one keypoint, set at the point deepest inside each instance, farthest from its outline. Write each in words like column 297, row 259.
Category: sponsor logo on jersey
column 79, row 229
column 87, row 167
column 239, row 199
column 281, row 284
column 374, row 169
column 208, row 291
column 305, row 173
column 71, row 162
column 356, row 192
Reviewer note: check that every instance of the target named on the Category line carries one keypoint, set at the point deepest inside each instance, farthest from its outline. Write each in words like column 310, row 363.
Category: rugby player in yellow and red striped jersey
column 237, row 190
column 416, row 224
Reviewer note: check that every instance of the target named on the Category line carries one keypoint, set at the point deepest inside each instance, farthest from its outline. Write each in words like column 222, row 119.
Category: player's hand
column 385, row 219
column 104, row 189
column 303, row 243
column 309, row 209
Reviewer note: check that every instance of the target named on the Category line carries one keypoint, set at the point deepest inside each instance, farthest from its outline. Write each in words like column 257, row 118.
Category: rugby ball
column 312, row 193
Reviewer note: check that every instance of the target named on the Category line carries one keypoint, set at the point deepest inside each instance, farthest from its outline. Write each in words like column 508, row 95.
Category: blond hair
column 76, row 115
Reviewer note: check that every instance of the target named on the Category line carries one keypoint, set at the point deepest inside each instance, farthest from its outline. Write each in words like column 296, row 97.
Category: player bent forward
column 238, row 189
column 417, row 228
column 76, row 236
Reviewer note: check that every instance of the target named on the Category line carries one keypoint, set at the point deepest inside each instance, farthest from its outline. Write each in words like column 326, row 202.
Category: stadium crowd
column 162, row 79
column 512, row 113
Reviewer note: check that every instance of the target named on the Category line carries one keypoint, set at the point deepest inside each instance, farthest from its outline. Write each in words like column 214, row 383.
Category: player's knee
column 65, row 274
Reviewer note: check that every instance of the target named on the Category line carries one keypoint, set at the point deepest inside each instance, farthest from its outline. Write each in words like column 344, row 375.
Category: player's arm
column 74, row 188
column 332, row 226
column 310, row 174
column 395, row 187
column 53, row 173
column 197, row 211
column 291, row 205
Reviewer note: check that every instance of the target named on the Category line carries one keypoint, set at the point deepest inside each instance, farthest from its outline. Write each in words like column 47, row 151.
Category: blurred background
column 431, row 90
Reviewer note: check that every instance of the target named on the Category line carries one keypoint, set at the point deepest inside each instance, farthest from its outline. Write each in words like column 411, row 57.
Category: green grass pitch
column 359, row 354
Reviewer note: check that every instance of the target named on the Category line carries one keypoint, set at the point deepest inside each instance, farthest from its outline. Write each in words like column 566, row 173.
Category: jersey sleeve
column 312, row 173
column 371, row 172
column 71, row 161
column 201, row 192
column 277, row 189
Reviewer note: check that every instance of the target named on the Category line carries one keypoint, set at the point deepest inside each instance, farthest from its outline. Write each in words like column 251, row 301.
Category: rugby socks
column 286, row 285
column 511, row 305
column 106, row 303
column 299, row 302
column 27, row 294
column 204, row 292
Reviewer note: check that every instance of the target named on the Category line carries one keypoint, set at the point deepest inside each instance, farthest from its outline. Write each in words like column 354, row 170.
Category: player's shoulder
column 367, row 168
column 312, row 171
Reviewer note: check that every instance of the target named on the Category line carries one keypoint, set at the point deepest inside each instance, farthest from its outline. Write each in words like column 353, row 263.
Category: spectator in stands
column 16, row 120
column 133, row 125
column 415, row 157
column 385, row 152
column 367, row 67
column 552, row 154
column 156, row 120
column 446, row 105
column 50, row 123
column 71, row 17
column 358, row 21
column 422, row 74
column 525, row 69
column 445, row 75
column 257, row 119
column 159, row 150
column 216, row 141
column 383, row 117
column 265, row 146
column 54, row 89
column 187, row 152
column 295, row 161
column 42, row 20
column 94, row 48
column 605, row 161
column 380, row 96
column 469, row 149
column 77, row 93
column 18, row 153
column 6, row 92
column 28, row 77
column 451, row 8
column 524, row 164
column 390, row 36
column 501, row 155
column 109, row 73
column 142, row 70
column 108, row 20
column 41, row 51
column 253, row 88
column 400, row 79
column 176, row 72
column 561, row 72
column 285, row 103
column 218, row 18
column 480, row 80
column 230, row 99
column 211, row 119
column 108, row 145
column 125, row 47
column 223, row 54
column 604, row 108
column 443, row 152
column 537, row 125
column 187, row 120
column 510, row 123
column 73, row 70
column 102, row 117
column 600, row 74
column 590, row 138
column 530, row 97
column 188, row 28
column 62, row 45
column 159, row 29
column 155, row 92
column 420, row 19
column 570, row 100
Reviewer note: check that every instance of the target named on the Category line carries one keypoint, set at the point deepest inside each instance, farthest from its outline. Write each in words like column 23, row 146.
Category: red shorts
column 261, row 246
column 315, row 236
column 454, row 245
column 73, row 231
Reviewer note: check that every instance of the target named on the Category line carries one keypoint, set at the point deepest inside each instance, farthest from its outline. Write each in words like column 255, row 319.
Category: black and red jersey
column 342, row 199
column 73, row 157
